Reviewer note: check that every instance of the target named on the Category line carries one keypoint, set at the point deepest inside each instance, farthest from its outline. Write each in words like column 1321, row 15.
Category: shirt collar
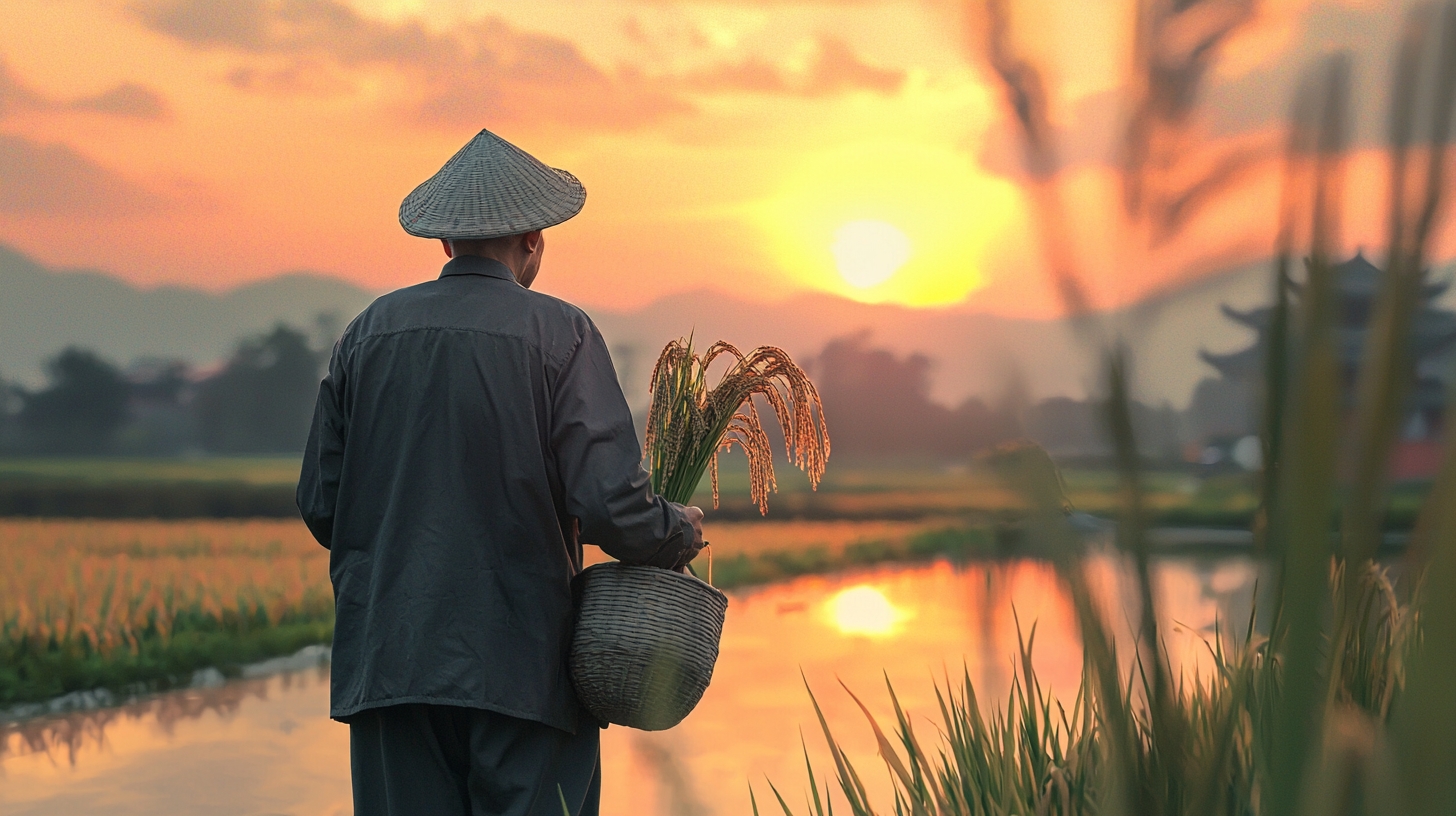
column 476, row 265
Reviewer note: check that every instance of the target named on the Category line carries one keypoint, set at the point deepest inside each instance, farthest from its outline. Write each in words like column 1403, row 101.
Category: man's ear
column 533, row 241
column 449, row 252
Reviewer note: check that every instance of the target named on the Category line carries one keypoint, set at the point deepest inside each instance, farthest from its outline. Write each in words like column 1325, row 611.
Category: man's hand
column 694, row 516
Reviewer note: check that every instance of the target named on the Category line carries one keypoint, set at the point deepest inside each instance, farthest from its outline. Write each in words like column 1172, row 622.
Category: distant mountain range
column 974, row 353
column 43, row 309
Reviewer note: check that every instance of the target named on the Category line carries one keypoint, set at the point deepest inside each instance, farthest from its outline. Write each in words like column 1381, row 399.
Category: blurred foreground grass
column 1335, row 696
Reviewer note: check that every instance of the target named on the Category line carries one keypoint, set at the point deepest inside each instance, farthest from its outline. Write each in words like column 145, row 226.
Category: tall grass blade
column 1424, row 719
column 1307, row 490
column 1387, row 373
column 892, row 758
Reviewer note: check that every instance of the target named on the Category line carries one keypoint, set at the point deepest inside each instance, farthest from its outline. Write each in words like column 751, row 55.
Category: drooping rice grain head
column 689, row 424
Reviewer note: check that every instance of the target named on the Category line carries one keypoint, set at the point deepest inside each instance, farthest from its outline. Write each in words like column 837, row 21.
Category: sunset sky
column 754, row 147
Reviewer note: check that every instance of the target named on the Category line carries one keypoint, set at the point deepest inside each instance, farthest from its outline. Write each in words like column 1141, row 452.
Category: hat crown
column 491, row 188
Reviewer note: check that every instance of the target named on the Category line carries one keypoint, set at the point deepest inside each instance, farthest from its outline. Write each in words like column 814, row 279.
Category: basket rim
column 691, row 579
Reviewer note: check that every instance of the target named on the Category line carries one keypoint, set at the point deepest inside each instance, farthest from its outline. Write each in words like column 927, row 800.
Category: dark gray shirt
column 466, row 428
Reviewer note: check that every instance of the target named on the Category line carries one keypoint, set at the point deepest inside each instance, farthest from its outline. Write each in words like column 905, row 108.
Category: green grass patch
column 32, row 671
column 254, row 470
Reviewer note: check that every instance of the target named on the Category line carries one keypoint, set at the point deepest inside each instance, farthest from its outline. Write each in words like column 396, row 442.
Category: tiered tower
column 1433, row 334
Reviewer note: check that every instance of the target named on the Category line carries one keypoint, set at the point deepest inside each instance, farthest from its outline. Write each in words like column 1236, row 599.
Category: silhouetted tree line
column 878, row 403
column 260, row 401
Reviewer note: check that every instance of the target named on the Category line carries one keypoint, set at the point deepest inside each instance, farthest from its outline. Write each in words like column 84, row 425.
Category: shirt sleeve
column 600, row 462
column 323, row 457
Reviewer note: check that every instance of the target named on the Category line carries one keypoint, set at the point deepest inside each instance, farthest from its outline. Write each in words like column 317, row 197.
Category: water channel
column 265, row 745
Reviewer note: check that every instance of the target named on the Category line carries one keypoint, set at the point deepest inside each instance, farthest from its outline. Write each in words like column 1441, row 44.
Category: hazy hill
column 974, row 353
column 43, row 310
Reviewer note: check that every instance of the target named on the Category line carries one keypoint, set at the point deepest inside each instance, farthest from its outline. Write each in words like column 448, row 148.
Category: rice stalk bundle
column 689, row 424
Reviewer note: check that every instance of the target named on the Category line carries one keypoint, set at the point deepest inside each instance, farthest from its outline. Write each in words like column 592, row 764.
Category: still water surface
column 266, row 745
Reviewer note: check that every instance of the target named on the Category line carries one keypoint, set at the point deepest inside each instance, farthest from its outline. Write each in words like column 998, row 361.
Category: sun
column 881, row 222
column 868, row 252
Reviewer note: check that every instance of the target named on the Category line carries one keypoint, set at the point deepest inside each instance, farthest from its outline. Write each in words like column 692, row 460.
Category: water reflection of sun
column 864, row 610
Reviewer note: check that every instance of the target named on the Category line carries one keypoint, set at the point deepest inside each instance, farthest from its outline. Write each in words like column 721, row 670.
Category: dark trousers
column 447, row 761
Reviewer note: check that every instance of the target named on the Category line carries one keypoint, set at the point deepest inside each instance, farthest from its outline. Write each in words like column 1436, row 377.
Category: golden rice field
column 144, row 604
column 108, row 582
column 117, row 603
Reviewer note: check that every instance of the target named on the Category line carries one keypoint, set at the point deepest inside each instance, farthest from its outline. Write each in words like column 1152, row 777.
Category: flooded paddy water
column 265, row 745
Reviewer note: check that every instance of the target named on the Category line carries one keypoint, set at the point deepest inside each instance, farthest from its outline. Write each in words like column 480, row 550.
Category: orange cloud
column 55, row 179
column 128, row 99
column 481, row 70
column 835, row 69
column 484, row 70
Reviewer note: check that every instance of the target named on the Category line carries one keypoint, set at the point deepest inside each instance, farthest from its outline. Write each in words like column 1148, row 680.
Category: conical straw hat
column 489, row 189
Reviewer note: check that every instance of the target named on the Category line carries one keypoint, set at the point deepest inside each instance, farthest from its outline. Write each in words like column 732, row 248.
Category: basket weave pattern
column 645, row 644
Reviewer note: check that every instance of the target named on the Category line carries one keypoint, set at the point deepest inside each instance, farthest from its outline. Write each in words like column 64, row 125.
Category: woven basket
column 645, row 644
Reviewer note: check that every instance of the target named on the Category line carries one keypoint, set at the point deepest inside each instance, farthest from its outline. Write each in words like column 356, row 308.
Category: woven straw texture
column 645, row 644
column 488, row 189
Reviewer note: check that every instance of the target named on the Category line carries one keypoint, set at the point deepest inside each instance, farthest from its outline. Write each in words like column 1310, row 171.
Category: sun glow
column 868, row 253
column 887, row 222
column 864, row 610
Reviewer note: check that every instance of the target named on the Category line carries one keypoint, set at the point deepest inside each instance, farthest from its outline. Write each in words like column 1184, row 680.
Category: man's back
column 466, row 424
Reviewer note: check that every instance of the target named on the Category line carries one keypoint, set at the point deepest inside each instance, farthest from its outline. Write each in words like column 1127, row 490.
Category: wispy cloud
column 129, row 100
column 482, row 69
column 55, row 179
column 486, row 68
column 835, row 68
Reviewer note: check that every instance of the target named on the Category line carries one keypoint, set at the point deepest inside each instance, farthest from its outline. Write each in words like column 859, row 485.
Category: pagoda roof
column 1256, row 318
column 1434, row 332
column 1236, row 364
column 1360, row 279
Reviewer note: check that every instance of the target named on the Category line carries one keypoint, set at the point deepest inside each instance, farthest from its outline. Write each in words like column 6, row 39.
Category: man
column 470, row 435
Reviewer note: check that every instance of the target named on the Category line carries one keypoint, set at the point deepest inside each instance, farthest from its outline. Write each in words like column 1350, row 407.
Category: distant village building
column 1227, row 408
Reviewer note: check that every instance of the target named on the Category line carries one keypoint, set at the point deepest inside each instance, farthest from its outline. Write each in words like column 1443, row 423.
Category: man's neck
column 506, row 262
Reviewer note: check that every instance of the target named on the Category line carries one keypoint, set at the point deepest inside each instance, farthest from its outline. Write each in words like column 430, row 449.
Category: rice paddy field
column 145, row 603
column 138, row 605
column 253, row 470
column 861, row 491
column 142, row 605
